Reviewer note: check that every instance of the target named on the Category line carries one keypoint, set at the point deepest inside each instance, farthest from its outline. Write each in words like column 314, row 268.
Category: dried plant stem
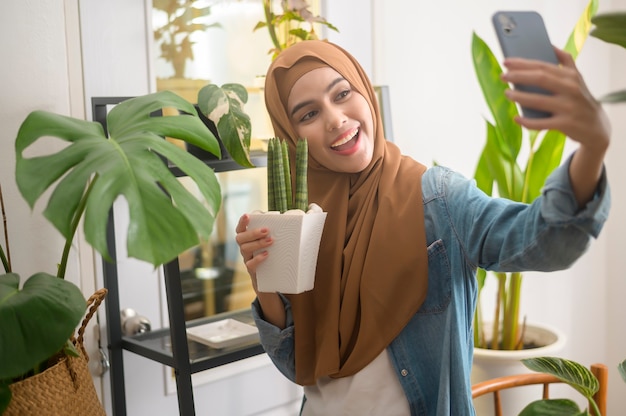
column 6, row 259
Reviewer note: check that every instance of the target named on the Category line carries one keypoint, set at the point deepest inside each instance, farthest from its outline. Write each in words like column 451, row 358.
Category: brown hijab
column 372, row 268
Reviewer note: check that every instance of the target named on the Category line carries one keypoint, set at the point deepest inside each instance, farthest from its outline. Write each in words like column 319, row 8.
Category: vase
column 490, row 364
column 290, row 266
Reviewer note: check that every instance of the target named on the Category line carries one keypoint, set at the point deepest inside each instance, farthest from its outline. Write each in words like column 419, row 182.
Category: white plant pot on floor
column 290, row 266
column 498, row 363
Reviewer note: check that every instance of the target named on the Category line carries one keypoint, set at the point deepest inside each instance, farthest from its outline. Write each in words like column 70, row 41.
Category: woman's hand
column 250, row 241
column 575, row 112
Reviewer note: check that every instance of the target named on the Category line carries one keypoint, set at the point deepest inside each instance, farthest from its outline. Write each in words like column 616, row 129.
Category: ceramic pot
column 290, row 266
column 497, row 363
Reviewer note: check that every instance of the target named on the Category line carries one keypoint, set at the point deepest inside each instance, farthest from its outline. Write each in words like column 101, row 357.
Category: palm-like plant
column 499, row 167
column 86, row 177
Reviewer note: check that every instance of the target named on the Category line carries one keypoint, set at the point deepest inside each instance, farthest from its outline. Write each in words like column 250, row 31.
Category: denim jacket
column 466, row 229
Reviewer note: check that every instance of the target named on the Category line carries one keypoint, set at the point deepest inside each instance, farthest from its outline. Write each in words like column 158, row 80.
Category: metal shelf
column 168, row 346
column 157, row 346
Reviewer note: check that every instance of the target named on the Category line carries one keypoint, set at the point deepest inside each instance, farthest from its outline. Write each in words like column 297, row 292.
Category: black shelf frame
column 168, row 346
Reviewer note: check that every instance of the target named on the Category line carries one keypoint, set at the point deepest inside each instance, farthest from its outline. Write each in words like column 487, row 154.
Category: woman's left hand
column 575, row 111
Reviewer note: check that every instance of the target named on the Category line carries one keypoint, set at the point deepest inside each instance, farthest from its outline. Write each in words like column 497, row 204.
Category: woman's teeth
column 345, row 139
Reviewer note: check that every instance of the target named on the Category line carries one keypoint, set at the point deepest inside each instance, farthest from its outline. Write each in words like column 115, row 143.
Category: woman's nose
column 335, row 118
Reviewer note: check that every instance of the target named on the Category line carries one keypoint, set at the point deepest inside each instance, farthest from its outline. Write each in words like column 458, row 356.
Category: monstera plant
column 38, row 316
column 500, row 170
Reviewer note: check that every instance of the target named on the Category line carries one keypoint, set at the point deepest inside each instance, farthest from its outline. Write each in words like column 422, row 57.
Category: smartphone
column 523, row 34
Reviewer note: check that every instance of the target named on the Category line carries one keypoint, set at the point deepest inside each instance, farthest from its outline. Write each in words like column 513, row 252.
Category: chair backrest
column 495, row 385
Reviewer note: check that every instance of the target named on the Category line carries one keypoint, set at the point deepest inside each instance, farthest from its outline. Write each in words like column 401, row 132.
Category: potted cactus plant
column 295, row 225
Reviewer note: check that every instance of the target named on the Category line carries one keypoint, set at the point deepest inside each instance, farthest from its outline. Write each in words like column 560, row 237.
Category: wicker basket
column 65, row 389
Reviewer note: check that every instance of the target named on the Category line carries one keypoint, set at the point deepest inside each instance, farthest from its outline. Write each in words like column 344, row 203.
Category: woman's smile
column 348, row 143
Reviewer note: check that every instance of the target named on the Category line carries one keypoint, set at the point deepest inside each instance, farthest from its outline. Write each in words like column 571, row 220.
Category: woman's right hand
column 250, row 241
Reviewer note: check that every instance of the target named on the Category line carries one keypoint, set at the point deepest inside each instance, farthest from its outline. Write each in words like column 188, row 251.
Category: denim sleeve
column 501, row 235
column 277, row 343
column 561, row 209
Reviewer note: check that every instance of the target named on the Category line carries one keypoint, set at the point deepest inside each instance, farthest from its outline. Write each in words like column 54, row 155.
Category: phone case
column 523, row 34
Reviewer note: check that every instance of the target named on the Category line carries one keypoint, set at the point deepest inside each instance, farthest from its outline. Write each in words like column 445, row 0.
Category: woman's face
column 335, row 119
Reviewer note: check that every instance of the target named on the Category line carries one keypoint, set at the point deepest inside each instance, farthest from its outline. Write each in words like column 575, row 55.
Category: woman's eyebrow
column 305, row 103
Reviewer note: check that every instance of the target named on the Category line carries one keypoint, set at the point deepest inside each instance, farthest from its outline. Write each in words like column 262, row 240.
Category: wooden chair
column 495, row 385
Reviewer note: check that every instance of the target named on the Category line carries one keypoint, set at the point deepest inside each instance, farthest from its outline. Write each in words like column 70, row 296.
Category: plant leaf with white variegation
column 576, row 375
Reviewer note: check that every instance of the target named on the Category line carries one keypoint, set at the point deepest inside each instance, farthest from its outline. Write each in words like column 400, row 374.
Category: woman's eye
column 308, row 116
column 343, row 94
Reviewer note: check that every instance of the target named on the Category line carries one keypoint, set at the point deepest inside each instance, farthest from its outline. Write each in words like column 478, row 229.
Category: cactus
column 280, row 195
column 302, row 190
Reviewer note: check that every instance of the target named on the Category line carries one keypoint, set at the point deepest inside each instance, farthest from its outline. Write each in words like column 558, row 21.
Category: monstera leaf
column 54, row 306
column 165, row 218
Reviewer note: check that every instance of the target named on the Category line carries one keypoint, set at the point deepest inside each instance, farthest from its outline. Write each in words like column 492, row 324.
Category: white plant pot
column 290, row 266
column 498, row 363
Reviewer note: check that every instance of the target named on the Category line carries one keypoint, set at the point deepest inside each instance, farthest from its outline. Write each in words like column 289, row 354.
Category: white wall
column 35, row 75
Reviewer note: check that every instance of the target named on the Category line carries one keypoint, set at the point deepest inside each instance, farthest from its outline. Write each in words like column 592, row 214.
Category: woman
column 387, row 330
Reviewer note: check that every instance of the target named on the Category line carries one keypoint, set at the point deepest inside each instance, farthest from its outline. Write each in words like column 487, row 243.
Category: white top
column 375, row 390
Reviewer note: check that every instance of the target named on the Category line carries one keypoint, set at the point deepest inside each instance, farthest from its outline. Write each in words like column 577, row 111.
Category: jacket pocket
column 439, row 280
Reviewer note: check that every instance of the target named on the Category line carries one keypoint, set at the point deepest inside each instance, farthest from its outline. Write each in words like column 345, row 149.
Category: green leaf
column 484, row 180
column 614, row 97
column 488, row 72
column 576, row 375
column 544, row 160
column 224, row 106
column 5, row 396
column 35, row 321
column 504, row 172
column 622, row 370
column 581, row 30
column 130, row 164
column 610, row 27
column 552, row 407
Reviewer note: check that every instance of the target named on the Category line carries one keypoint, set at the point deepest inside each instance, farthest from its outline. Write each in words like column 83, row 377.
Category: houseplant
column 85, row 178
column 290, row 268
column 174, row 35
column 499, row 167
column 176, row 21
column 294, row 23
column 572, row 373
column 611, row 28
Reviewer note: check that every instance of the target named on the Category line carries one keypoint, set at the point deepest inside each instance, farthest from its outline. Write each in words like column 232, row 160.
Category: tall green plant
column 499, row 165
